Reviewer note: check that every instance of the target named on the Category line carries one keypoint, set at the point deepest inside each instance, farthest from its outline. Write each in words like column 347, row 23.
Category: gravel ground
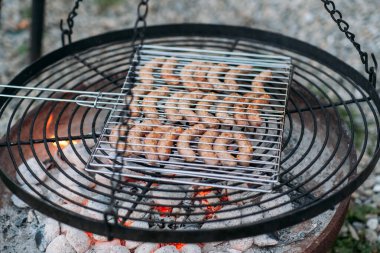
column 305, row 20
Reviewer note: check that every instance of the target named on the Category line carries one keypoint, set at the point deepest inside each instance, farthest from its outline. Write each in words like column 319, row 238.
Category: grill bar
column 264, row 134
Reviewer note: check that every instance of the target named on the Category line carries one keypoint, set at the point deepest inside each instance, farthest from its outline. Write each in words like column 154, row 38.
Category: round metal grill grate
column 331, row 142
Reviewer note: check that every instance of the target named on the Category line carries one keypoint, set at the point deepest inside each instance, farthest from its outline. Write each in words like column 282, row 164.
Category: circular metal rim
column 264, row 226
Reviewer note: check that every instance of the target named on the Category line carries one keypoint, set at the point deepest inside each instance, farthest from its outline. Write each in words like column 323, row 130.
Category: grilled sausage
column 220, row 148
column 150, row 103
column 171, row 107
column 215, row 74
column 222, row 109
column 258, row 82
column 201, row 76
column 165, row 145
column 205, row 149
column 245, row 149
column 167, row 72
column 203, row 108
column 187, row 76
column 233, row 74
column 185, row 103
column 183, row 143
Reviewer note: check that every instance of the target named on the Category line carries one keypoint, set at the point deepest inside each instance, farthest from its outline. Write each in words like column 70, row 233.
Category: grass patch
column 347, row 244
column 26, row 12
column 23, row 49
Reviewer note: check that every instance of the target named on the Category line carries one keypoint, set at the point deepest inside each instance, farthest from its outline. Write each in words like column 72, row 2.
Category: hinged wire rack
column 260, row 128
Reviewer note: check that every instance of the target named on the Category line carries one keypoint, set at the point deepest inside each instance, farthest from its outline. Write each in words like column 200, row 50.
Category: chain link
column 344, row 27
column 67, row 32
column 110, row 215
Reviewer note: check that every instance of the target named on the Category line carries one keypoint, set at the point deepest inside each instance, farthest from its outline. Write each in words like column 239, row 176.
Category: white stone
column 39, row 173
column 78, row 240
column 275, row 202
column 172, row 192
column 21, row 204
column 60, row 245
column 191, row 248
column 167, row 249
column 373, row 223
column 370, row 235
column 264, row 241
column 242, row 244
column 147, row 247
column 75, row 177
column 376, row 188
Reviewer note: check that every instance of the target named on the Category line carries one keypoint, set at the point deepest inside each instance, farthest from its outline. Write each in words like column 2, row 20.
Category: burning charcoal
column 78, row 239
column 167, row 249
column 147, row 247
column 60, row 245
column 108, row 247
column 197, row 217
column 214, row 247
column 100, row 204
column 191, row 248
column 46, row 234
column 233, row 216
column 241, row 196
column 21, row 204
column 74, row 178
column 173, row 193
column 264, row 241
column 71, row 194
column 242, row 244
column 39, row 173
column 225, row 251
column 100, row 238
column 72, row 207
column 251, row 218
column 69, row 156
column 132, row 244
column 138, row 212
column 136, row 224
column 275, row 202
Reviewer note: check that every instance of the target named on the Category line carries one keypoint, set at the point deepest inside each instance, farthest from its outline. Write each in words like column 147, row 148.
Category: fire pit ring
column 319, row 165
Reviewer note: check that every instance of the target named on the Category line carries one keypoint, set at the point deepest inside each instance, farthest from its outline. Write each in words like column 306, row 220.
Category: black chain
column 67, row 32
column 337, row 16
column 111, row 213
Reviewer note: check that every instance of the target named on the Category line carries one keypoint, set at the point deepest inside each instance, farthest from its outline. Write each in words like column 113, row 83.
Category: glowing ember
column 177, row 245
column 211, row 209
column 163, row 210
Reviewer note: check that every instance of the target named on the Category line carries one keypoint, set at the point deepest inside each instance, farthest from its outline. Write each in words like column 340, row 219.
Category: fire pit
column 47, row 145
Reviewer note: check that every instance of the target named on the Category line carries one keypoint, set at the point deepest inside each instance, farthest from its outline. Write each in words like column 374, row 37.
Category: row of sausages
column 156, row 142
column 196, row 75
column 178, row 105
